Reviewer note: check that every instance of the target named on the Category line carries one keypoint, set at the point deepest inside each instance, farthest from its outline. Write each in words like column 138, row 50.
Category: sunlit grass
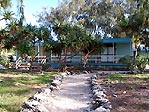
column 127, row 77
column 17, row 87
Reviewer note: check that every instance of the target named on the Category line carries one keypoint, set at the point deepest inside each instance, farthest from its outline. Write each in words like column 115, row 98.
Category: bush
column 4, row 60
column 129, row 60
column 141, row 62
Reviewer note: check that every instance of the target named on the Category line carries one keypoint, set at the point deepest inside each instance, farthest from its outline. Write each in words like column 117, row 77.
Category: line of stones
column 33, row 104
column 100, row 103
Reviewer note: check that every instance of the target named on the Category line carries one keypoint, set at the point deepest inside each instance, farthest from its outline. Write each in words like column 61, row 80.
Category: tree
column 73, row 38
column 92, row 46
column 24, row 38
column 11, row 22
column 92, row 14
column 4, row 6
column 135, row 23
column 5, row 9
column 105, row 18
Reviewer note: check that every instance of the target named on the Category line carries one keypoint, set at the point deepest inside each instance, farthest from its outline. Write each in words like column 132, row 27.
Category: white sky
column 32, row 8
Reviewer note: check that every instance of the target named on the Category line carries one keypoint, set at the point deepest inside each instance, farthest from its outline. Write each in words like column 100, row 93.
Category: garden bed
column 127, row 92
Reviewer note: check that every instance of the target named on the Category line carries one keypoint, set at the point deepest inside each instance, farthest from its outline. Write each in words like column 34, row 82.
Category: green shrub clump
column 139, row 62
column 129, row 60
column 4, row 60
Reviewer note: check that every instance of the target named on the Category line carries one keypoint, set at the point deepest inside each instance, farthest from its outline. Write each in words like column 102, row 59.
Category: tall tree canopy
column 103, row 17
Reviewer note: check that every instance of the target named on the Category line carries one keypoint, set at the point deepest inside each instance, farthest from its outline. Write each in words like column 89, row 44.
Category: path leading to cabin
column 73, row 96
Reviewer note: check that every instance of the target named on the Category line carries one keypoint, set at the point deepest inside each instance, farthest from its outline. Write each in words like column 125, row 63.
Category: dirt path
column 73, row 96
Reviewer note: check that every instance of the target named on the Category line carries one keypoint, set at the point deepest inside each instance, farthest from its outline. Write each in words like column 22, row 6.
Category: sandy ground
column 73, row 96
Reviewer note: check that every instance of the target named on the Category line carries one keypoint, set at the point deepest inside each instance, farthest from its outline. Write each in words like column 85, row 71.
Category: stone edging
column 42, row 95
column 100, row 103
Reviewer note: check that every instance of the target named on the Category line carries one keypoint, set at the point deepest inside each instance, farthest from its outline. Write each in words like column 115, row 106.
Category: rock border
column 43, row 94
column 100, row 103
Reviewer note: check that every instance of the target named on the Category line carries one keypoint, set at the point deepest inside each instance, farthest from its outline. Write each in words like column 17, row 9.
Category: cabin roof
column 116, row 40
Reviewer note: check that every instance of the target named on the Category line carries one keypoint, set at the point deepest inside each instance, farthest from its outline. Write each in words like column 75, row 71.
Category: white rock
column 2, row 67
column 101, row 109
column 40, row 97
column 32, row 104
column 41, row 108
column 56, row 82
column 1, row 80
column 47, row 91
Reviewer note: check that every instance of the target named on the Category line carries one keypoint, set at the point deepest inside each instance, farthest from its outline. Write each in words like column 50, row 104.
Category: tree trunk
column 31, row 64
column 65, row 60
column 60, row 61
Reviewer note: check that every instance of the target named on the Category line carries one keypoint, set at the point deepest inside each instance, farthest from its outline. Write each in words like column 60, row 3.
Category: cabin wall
column 124, row 49
column 114, row 50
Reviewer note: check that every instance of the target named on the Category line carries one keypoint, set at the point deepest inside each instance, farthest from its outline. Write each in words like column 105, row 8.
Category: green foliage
column 126, row 77
column 116, row 18
column 75, row 38
column 25, row 48
column 17, row 87
column 54, row 46
column 141, row 62
column 4, row 60
column 24, row 38
column 43, row 33
column 94, row 46
column 126, row 59
column 117, row 77
column 129, row 60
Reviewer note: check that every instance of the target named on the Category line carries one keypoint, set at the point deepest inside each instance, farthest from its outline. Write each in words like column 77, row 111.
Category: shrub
column 129, row 60
column 4, row 60
column 141, row 62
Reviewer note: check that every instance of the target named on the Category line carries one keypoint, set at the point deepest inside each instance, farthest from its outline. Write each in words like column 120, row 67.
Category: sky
column 32, row 8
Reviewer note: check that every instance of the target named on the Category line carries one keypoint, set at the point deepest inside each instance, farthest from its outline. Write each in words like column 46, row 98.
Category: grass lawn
column 127, row 92
column 16, row 87
column 128, row 77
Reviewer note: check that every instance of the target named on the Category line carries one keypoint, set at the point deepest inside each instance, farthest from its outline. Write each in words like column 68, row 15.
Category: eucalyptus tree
column 135, row 22
column 66, row 11
column 92, row 14
column 121, row 18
